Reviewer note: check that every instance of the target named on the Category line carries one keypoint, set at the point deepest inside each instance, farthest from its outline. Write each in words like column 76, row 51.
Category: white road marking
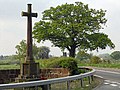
column 111, row 81
column 98, row 76
column 106, row 83
column 108, row 71
column 118, row 83
column 115, row 82
column 114, row 85
column 87, row 85
column 107, row 80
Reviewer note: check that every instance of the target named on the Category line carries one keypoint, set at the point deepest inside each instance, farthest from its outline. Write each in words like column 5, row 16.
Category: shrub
column 95, row 60
column 62, row 62
column 69, row 63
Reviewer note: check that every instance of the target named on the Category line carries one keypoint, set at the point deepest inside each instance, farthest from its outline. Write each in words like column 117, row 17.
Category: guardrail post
column 92, row 77
column 89, row 79
column 46, row 87
column 68, row 85
column 36, row 87
column 81, row 80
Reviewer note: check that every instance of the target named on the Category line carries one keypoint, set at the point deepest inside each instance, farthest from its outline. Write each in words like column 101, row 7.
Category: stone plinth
column 29, row 71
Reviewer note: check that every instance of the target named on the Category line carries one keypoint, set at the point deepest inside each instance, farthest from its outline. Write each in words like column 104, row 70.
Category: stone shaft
column 29, row 14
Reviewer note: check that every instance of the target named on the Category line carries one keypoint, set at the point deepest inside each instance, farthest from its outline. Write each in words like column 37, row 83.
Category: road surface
column 111, row 80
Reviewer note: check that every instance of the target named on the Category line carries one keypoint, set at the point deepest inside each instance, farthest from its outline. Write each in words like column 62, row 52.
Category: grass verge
column 103, row 65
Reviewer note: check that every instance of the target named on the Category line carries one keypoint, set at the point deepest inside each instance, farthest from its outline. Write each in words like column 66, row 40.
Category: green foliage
column 105, row 56
column 72, row 26
column 21, row 50
column 82, row 55
column 63, row 62
column 1, row 57
column 10, row 57
column 95, row 60
column 9, row 64
column 38, row 52
column 115, row 55
column 115, row 64
column 43, row 52
column 7, row 67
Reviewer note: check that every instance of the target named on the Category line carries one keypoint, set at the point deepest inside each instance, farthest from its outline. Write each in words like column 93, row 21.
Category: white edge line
column 108, row 71
column 98, row 76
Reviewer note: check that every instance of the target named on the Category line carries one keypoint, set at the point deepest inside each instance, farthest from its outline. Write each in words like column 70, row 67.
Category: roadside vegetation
column 9, row 62
column 61, row 62
column 103, row 60
column 114, row 64
column 83, row 59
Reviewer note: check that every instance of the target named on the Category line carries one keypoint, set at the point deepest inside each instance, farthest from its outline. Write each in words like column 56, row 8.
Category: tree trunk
column 72, row 51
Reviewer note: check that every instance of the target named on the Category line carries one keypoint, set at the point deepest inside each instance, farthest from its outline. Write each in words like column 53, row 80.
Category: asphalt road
column 111, row 80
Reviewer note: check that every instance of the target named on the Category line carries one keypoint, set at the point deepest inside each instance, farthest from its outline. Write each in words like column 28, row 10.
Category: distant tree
column 11, row 57
column 1, row 57
column 35, row 51
column 115, row 55
column 105, row 56
column 82, row 55
column 43, row 52
column 72, row 26
column 95, row 60
column 38, row 52
column 21, row 50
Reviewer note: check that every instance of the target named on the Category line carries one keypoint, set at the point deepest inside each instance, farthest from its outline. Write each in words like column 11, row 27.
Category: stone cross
column 29, row 14
column 29, row 69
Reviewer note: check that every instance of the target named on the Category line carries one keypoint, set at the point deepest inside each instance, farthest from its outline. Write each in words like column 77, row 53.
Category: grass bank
column 9, row 64
column 115, row 65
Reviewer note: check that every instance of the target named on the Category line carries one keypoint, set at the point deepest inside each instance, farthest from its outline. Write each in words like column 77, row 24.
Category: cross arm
column 34, row 15
column 29, row 14
column 24, row 13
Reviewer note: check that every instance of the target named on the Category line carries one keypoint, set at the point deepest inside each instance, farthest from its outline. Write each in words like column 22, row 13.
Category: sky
column 13, row 27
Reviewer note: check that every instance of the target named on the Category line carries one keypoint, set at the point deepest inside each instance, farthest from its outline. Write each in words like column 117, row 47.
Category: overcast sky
column 13, row 25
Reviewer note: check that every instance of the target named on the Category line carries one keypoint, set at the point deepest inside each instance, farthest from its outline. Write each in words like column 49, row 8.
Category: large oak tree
column 72, row 26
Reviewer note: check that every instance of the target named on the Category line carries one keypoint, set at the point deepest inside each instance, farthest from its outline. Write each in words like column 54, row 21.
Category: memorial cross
column 29, row 14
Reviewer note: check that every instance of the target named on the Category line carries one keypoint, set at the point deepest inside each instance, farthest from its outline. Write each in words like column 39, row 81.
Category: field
column 113, row 64
column 9, row 64
column 15, row 64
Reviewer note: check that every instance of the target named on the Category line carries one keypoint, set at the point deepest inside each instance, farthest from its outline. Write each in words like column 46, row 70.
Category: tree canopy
column 43, row 52
column 72, row 26
column 38, row 52
column 115, row 55
column 21, row 50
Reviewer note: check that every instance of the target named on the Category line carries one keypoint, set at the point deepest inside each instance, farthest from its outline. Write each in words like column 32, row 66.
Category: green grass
column 6, row 62
column 104, row 65
column 74, row 85
column 13, row 64
column 6, row 67
column 9, row 64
